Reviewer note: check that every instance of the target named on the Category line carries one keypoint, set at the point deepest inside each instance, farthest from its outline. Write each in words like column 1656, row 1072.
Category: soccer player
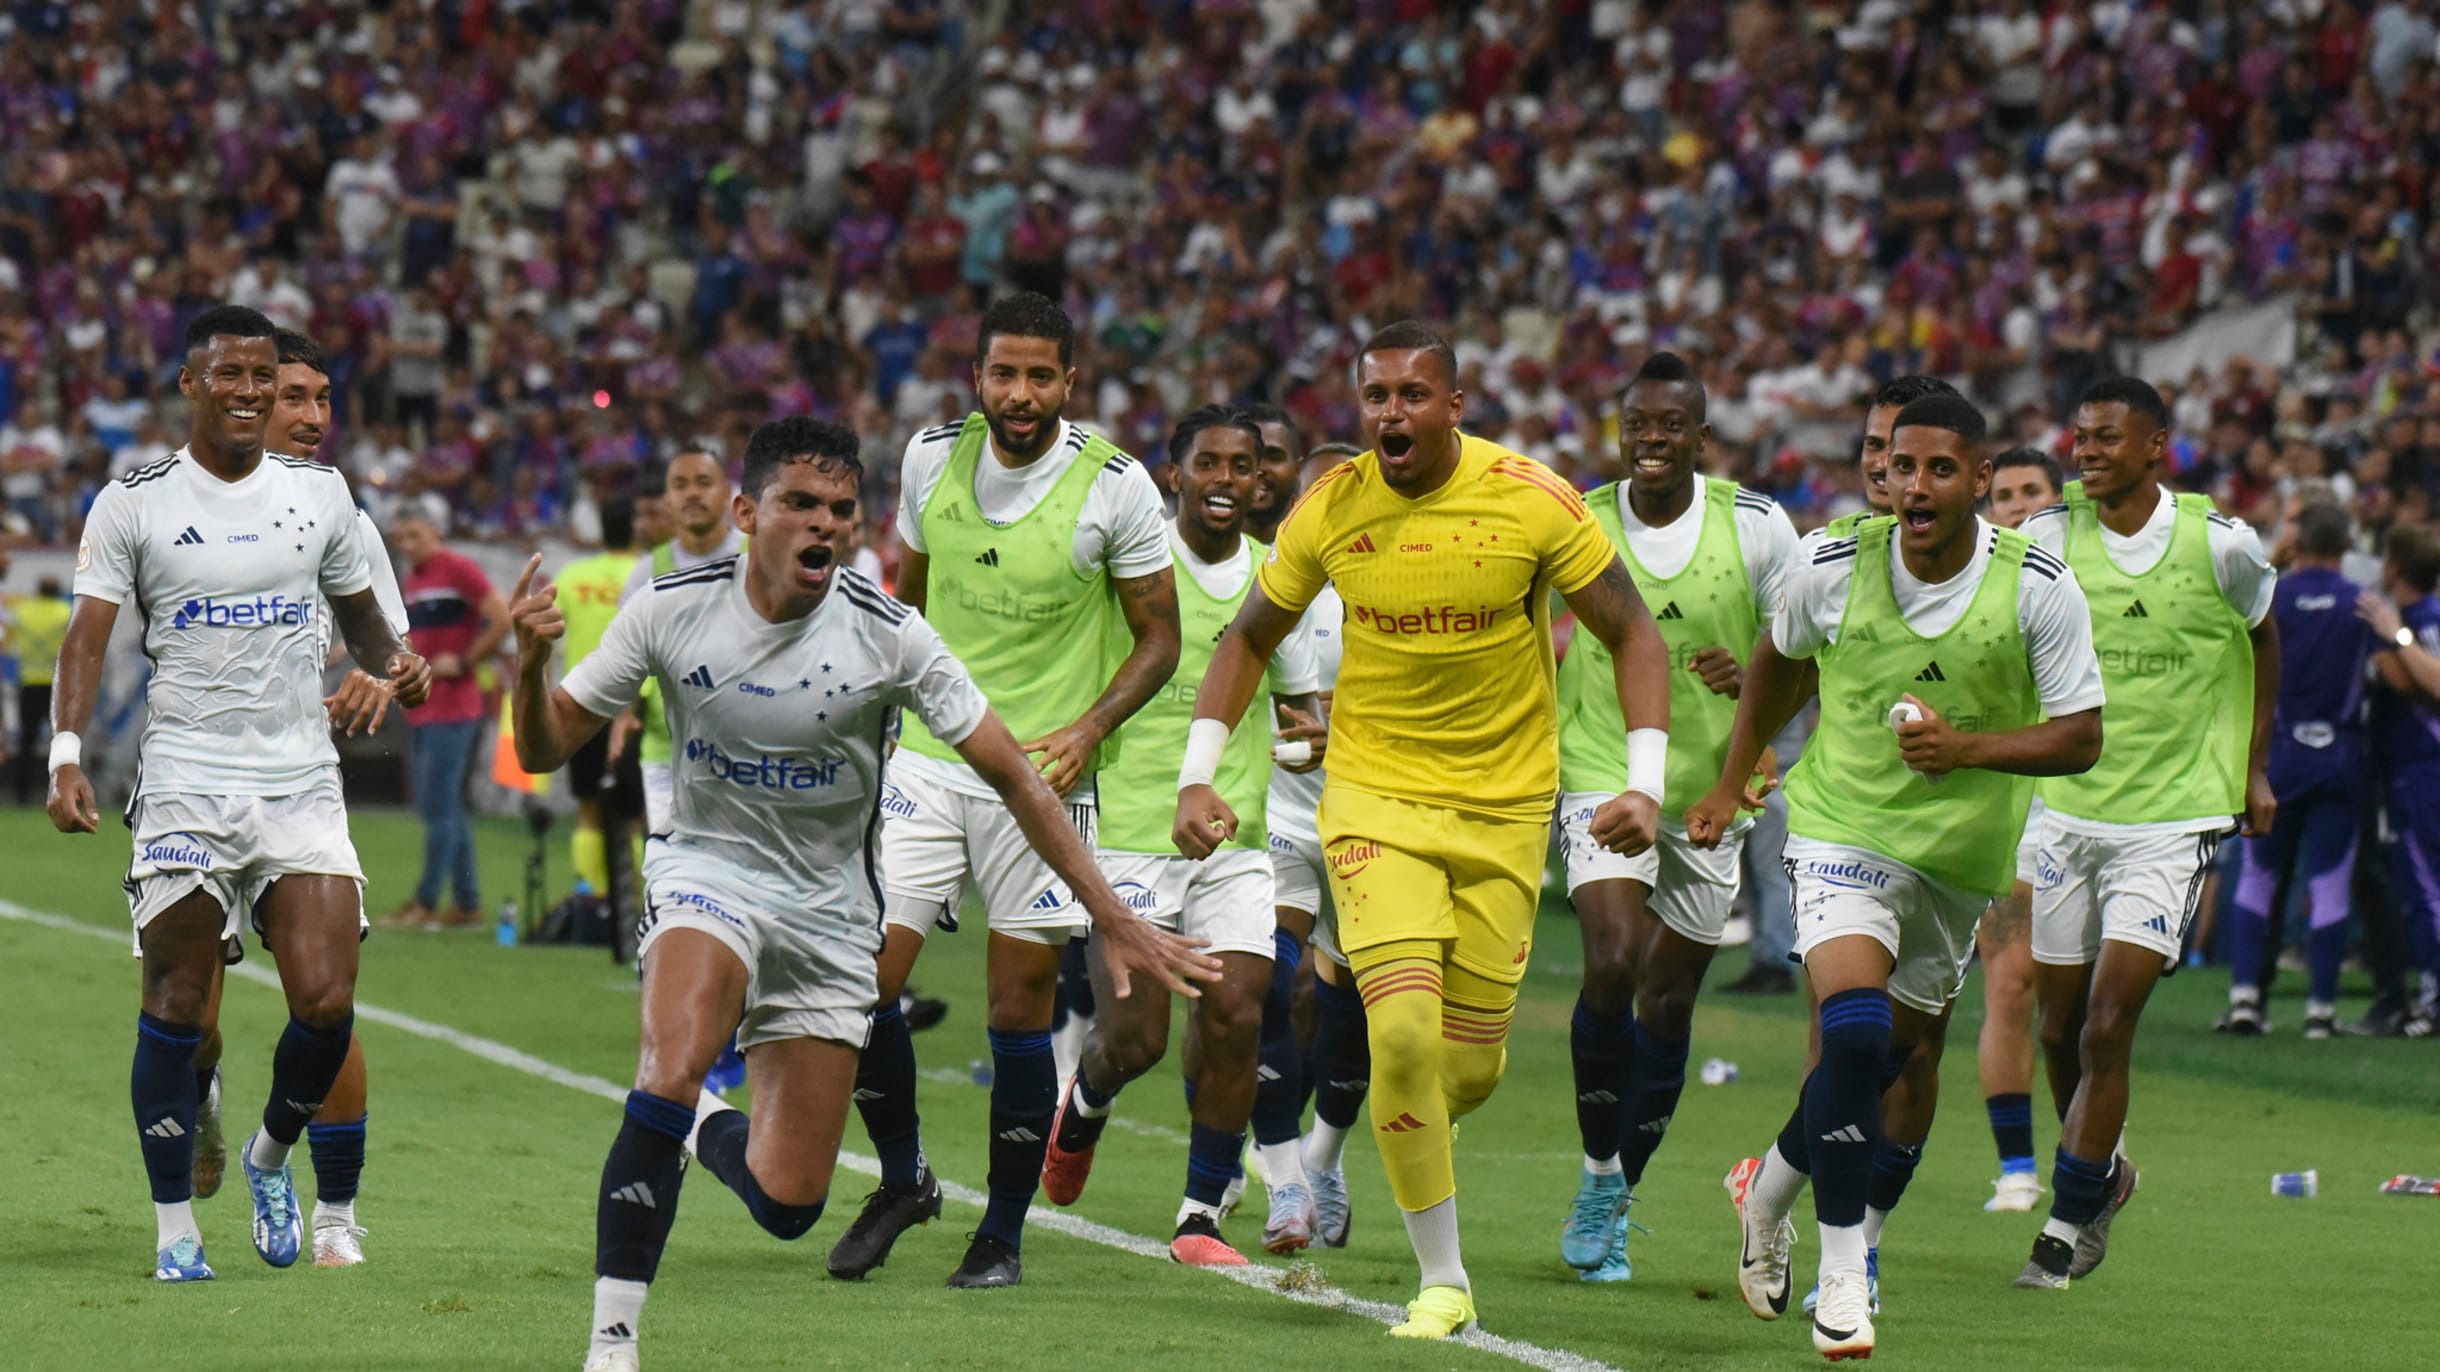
column 784, row 671
column 1226, row 899
column 1034, row 548
column 300, row 418
column 1444, row 749
column 2180, row 599
column 696, row 494
column 229, row 552
column 1709, row 555
column 1275, row 483
column 1896, row 844
column 2406, row 722
column 2318, row 772
column 608, row 795
column 2023, row 481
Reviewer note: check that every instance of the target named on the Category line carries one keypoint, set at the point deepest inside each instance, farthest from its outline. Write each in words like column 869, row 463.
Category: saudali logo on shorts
column 178, row 850
column 1350, row 856
column 1136, row 896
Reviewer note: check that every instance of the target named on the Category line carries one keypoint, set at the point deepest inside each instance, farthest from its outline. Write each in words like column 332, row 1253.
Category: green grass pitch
column 478, row 1194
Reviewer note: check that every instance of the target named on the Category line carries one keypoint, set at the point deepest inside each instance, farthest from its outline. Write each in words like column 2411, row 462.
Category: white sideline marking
column 1258, row 1276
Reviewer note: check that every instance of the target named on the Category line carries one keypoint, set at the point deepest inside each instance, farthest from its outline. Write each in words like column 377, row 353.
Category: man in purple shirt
column 2406, row 730
column 2317, row 769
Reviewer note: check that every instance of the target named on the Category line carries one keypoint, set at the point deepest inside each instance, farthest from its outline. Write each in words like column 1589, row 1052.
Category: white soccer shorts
column 1300, row 884
column 660, row 795
column 2029, row 847
column 1226, row 898
column 808, row 975
column 1693, row 890
column 234, row 847
column 1927, row 925
column 2141, row 889
column 935, row 841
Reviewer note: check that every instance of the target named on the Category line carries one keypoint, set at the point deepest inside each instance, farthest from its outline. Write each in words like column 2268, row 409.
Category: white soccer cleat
column 618, row 1357
column 335, row 1245
column 1842, row 1323
column 2014, row 1192
column 1762, row 1255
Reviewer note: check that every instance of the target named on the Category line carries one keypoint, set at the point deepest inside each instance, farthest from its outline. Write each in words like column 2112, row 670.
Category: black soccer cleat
column 989, row 1262
column 888, row 1212
column 922, row 1012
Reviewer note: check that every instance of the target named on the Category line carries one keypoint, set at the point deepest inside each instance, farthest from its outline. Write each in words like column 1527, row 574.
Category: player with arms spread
column 228, row 552
column 1961, row 638
column 1444, row 757
column 784, row 672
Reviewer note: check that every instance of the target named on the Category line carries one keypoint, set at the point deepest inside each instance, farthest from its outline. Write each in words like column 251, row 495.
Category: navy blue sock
column 885, row 1098
column 2078, row 1188
column 1793, row 1144
column 304, row 1065
column 720, row 1145
column 1893, row 1166
column 2325, row 949
column 1893, row 1066
column 1842, row 1111
column 1602, row 1049
column 1279, row 1074
column 1212, row 1160
column 1342, row 1054
column 162, row 1087
column 338, row 1159
column 1079, row 1131
column 2012, row 1129
column 1024, row 1096
column 639, row 1192
column 1660, row 1078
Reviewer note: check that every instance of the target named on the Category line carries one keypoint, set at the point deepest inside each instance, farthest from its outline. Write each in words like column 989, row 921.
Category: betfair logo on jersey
column 1438, row 619
column 2142, row 661
column 260, row 612
column 764, row 773
column 1136, row 896
column 999, row 602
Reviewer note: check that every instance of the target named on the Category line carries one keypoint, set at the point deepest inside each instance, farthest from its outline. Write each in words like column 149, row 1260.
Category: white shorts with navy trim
column 1927, row 926
column 2141, row 889
column 936, row 841
column 1226, row 899
column 1692, row 890
column 808, row 976
column 234, row 847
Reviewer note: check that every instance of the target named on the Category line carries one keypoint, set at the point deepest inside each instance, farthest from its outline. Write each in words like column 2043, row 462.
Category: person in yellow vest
column 695, row 492
column 607, row 801
column 39, row 624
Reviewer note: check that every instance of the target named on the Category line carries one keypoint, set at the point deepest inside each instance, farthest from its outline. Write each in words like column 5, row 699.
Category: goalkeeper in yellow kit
column 1444, row 748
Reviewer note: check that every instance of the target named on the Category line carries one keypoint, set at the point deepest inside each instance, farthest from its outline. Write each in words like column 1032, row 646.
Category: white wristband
column 67, row 750
column 1648, row 762
column 1206, row 740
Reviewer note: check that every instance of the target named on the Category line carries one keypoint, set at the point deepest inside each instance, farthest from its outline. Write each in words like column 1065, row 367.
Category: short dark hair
column 1951, row 412
column 2414, row 549
column 1027, row 314
column 2324, row 530
column 1669, row 369
column 1902, row 391
column 1268, row 413
column 2131, row 391
column 2032, row 457
column 618, row 522
column 236, row 321
column 297, row 348
column 1182, row 438
column 1413, row 335
column 800, row 438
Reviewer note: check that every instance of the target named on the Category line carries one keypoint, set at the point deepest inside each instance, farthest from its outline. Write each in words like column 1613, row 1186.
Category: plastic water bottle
column 1718, row 1071
column 2403, row 1185
column 508, row 925
column 2303, row 1185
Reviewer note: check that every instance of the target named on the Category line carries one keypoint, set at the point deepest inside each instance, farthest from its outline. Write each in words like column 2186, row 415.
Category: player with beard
column 1037, row 550
column 1709, row 556
column 1445, row 549
column 1914, row 621
column 1225, row 899
column 230, row 553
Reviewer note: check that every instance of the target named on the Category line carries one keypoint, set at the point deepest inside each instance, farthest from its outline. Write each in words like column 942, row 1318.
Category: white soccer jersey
column 1295, row 796
column 229, row 577
column 778, row 730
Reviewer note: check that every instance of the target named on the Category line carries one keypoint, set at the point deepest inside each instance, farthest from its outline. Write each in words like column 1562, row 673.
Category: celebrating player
column 228, row 553
column 1710, row 555
column 2181, row 599
column 2023, row 481
column 1030, row 545
column 764, row 899
column 1960, row 638
column 1444, row 758
column 1225, row 900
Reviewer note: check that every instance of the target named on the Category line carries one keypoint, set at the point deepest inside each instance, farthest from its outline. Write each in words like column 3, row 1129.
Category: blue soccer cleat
column 1615, row 1267
column 1332, row 1216
column 279, row 1231
column 1592, row 1221
column 1872, row 1281
column 182, row 1261
column 728, row 1071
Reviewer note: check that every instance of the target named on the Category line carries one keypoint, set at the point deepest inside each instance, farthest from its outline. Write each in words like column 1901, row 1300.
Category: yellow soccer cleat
column 1436, row 1314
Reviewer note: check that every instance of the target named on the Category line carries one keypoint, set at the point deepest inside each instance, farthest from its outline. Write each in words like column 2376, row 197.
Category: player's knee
column 2060, row 1037
column 323, row 1007
column 1666, row 1010
column 1133, row 1050
column 782, row 1219
column 1403, row 1045
column 2108, row 1038
column 1470, row 1074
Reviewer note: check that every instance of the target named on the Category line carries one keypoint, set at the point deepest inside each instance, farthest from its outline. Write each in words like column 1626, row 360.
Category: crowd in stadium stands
column 544, row 243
